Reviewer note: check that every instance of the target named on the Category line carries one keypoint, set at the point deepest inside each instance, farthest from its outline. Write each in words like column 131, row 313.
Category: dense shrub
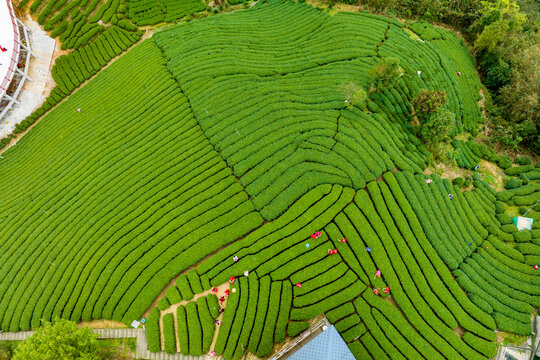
column 227, row 321
column 195, row 333
column 163, row 303
column 522, row 236
column 267, row 337
column 504, row 161
column 296, row 327
column 194, row 282
column 284, row 310
column 207, row 324
column 459, row 181
column 513, row 183
column 213, row 305
column 184, row 288
column 517, row 170
column 182, row 330
column 262, row 308
column 173, row 296
column 152, row 331
column 523, row 160
column 169, row 335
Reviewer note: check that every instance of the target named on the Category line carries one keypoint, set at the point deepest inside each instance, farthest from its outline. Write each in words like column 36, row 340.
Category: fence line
column 16, row 51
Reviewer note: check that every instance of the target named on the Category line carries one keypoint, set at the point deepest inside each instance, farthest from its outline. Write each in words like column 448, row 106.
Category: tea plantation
column 211, row 152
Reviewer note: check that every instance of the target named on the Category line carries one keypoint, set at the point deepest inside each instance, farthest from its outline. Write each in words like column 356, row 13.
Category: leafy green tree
column 355, row 95
column 509, row 9
column 59, row 341
column 6, row 351
column 492, row 35
column 437, row 126
column 426, row 102
column 521, row 93
column 385, row 73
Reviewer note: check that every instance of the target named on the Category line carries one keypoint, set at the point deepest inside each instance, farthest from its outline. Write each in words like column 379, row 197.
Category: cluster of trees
column 435, row 120
column 505, row 39
column 507, row 49
column 62, row 340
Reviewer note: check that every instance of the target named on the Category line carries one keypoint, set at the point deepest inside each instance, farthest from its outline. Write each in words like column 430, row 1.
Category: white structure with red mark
column 14, row 47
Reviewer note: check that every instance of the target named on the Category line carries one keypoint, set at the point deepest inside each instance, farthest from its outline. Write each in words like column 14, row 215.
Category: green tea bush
column 523, row 160
column 213, row 305
column 459, row 181
column 513, row 183
column 169, row 335
column 239, row 318
column 517, row 170
column 163, row 303
column 504, row 161
column 183, row 330
column 152, row 331
column 194, row 282
column 267, row 339
column 184, row 288
column 296, row 327
column 284, row 311
column 195, row 333
column 173, row 295
column 227, row 321
column 207, row 323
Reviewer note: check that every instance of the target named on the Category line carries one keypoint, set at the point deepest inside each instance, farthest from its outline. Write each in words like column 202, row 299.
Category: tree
column 437, row 126
column 61, row 341
column 355, row 95
column 385, row 73
column 6, row 351
column 492, row 35
column 427, row 102
column 521, row 93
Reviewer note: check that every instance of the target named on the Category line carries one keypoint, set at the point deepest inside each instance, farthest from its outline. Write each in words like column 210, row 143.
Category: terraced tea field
column 210, row 154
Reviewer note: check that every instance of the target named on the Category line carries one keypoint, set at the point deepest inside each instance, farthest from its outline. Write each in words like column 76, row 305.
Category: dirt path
column 172, row 310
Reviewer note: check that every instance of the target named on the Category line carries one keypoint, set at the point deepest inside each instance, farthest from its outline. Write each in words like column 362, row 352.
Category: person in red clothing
column 535, row 267
column 376, row 291
column 387, row 290
column 215, row 290
column 299, row 285
column 3, row 48
column 227, row 292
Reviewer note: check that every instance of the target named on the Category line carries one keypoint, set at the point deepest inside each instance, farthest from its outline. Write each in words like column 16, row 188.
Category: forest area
column 504, row 39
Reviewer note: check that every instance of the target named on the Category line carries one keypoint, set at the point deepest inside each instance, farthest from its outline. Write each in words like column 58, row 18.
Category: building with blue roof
column 328, row 345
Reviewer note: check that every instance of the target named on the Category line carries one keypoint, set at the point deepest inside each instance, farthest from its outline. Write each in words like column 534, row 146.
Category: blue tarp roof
column 328, row 345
